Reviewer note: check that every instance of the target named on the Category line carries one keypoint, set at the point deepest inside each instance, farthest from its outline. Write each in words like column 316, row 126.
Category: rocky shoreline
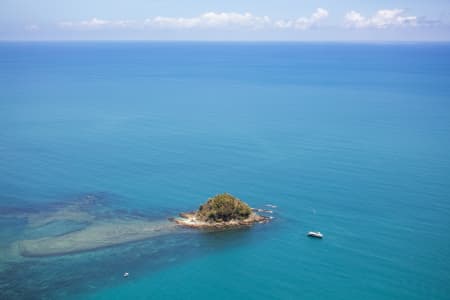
column 189, row 219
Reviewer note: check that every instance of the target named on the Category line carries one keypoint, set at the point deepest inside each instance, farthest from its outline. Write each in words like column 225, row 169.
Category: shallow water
column 348, row 139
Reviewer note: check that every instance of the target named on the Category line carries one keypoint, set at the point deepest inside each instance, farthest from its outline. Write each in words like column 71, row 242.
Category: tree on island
column 223, row 208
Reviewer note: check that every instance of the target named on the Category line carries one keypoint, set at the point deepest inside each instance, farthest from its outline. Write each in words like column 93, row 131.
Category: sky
column 246, row 20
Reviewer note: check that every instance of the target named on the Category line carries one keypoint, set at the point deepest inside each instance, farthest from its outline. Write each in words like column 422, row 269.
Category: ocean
column 349, row 139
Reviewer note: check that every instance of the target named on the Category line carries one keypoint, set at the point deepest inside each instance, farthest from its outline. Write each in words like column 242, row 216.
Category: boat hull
column 316, row 235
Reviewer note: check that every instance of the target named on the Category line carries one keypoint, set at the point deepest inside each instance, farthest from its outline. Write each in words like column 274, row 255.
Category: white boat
column 126, row 274
column 315, row 234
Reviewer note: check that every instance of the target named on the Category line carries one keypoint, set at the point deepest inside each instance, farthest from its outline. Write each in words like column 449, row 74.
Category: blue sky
column 345, row 20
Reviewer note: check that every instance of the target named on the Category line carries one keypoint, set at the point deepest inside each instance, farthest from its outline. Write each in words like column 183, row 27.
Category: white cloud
column 303, row 23
column 208, row 20
column 96, row 23
column 384, row 18
column 211, row 20
column 32, row 28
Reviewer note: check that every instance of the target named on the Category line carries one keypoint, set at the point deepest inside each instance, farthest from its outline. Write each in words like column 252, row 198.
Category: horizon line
column 227, row 41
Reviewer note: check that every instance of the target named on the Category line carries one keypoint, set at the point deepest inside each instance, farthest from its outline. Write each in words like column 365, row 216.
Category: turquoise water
column 349, row 139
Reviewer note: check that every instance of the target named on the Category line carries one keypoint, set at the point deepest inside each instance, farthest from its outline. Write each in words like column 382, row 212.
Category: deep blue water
column 349, row 139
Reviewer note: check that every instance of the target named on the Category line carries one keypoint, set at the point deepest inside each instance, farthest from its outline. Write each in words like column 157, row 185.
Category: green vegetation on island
column 221, row 212
column 223, row 208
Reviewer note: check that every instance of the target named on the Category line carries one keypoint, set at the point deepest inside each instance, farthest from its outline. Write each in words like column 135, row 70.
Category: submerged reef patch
column 95, row 236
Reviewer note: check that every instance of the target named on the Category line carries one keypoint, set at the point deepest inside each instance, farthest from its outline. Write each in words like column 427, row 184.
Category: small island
column 222, row 211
